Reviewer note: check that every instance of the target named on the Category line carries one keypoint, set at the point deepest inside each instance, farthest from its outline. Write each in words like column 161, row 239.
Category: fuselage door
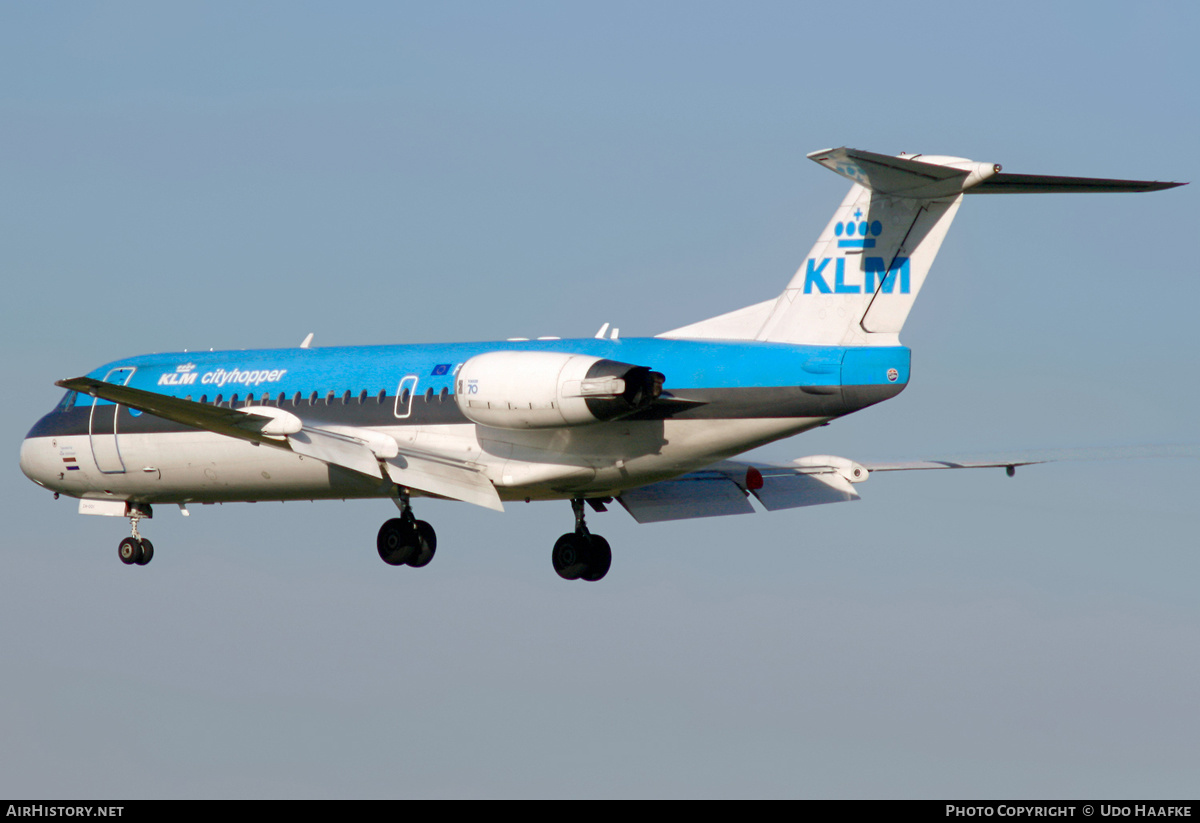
column 102, row 429
column 404, row 395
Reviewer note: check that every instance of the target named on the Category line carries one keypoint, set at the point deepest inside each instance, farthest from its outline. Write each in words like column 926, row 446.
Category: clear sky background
column 194, row 175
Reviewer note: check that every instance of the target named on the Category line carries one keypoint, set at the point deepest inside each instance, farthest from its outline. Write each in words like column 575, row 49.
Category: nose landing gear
column 136, row 550
column 581, row 555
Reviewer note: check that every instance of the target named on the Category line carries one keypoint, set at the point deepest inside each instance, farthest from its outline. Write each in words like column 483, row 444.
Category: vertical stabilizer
column 859, row 282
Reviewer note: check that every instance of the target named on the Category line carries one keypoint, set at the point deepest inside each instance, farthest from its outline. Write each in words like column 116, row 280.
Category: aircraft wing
column 923, row 465
column 365, row 451
column 1004, row 461
column 727, row 487
column 229, row 422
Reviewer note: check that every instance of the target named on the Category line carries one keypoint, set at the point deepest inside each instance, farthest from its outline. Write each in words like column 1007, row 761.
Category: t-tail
column 859, row 282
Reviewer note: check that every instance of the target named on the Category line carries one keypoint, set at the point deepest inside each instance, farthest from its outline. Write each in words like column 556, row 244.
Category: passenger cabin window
column 346, row 398
column 217, row 402
column 382, row 396
column 204, row 398
column 362, row 397
column 312, row 399
column 429, row 395
column 442, row 395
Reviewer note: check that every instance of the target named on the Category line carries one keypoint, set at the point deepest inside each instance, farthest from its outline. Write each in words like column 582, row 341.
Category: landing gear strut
column 136, row 549
column 404, row 540
column 581, row 555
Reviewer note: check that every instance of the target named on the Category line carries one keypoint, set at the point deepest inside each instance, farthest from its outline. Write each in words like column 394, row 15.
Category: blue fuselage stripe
column 687, row 364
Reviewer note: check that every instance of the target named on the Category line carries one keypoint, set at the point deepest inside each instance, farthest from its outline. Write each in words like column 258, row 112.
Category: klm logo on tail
column 874, row 268
column 857, row 234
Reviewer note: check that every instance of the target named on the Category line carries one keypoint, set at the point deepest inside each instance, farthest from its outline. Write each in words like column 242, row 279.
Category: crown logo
column 184, row 368
column 858, row 233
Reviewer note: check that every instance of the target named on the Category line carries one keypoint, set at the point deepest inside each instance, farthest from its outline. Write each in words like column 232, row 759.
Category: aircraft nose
column 41, row 464
column 29, row 462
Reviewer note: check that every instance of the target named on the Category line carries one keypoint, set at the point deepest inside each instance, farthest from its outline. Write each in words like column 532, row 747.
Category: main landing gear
column 136, row 550
column 404, row 540
column 580, row 555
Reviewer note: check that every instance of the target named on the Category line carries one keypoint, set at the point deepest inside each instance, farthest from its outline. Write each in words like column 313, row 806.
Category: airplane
column 651, row 423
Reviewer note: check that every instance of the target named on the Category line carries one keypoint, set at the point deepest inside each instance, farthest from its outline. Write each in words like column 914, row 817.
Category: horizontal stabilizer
column 1044, row 184
column 909, row 177
column 926, row 176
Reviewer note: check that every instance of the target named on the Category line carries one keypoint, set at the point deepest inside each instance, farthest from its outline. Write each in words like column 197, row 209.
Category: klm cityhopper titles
column 650, row 423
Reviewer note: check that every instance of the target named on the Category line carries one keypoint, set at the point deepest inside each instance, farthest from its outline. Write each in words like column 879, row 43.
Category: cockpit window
column 68, row 401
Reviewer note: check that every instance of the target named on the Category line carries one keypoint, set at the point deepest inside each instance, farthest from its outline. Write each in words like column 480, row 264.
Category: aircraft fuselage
column 719, row 399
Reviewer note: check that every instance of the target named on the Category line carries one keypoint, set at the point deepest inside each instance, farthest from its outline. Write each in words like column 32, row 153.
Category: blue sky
column 238, row 175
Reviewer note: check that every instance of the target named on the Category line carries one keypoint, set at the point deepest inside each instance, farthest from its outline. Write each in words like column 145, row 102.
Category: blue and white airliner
column 651, row 423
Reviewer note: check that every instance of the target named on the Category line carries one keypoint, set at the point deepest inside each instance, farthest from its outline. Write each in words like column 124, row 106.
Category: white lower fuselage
column 201, row 467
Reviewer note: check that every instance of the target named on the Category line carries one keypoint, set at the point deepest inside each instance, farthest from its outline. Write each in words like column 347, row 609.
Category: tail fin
column 860, row 280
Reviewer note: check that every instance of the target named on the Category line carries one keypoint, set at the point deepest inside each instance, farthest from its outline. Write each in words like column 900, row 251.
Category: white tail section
column 859, row 282
column 862, row 276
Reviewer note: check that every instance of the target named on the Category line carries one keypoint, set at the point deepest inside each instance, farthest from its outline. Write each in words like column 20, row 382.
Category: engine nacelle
column 539, row 390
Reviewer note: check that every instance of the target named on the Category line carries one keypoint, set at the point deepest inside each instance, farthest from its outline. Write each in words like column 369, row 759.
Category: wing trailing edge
column 726, row 488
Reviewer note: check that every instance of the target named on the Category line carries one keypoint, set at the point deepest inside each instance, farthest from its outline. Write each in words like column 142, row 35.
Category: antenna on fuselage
column 307, row 341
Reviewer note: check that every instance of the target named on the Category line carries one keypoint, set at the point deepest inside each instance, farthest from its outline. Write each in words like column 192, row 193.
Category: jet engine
column 538, row 390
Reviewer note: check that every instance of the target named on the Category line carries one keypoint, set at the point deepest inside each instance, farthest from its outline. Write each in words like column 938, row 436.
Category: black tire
column 147, row 552
column 569, row 556
column 599, row 558
column 397, row 542
column 130, row 551
column 426, row 545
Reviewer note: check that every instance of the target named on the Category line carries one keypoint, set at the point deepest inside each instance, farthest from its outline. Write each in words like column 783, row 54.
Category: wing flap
column 337, row 450
column 790, row 491
column 700, row 494
column 444, row 478
column 724, row 488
